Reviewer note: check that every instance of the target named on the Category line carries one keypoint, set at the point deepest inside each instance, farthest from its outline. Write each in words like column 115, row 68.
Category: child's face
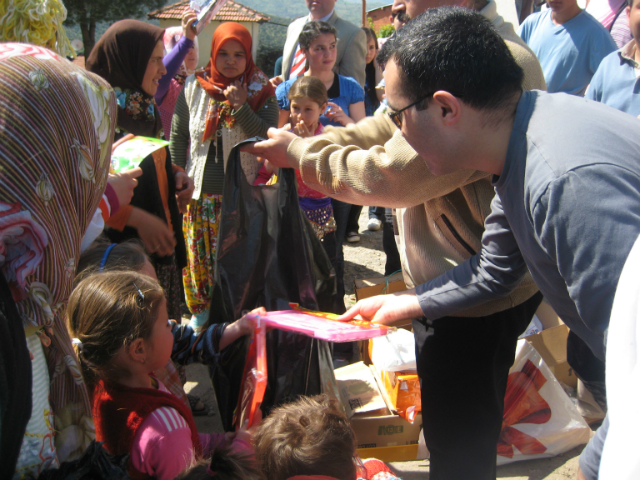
column 322, row 52
column 231, row 60
column 306, row 110
column 191, row 60
column 160, row 342
column 371, row 50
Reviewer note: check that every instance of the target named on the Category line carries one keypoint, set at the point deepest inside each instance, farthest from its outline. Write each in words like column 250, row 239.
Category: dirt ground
column 365, row 259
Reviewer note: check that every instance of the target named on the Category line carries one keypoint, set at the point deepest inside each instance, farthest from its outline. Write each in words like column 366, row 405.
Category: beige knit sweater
column 440, row 219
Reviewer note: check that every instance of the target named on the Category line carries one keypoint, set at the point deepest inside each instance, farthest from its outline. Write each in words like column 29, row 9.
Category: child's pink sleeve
column 162, row 447
column 210, row 442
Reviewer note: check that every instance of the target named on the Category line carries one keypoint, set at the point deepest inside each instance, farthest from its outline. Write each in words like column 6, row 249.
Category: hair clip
column 103, row 262
column 139, row 291
column 77, row 343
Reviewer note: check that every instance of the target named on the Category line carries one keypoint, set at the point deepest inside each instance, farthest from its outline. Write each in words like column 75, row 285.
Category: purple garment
column 172, row 62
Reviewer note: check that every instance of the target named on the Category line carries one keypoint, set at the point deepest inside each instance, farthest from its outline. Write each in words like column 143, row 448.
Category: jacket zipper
column 457, row 236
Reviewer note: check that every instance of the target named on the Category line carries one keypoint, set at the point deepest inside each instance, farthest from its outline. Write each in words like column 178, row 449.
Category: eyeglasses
column 396, row 117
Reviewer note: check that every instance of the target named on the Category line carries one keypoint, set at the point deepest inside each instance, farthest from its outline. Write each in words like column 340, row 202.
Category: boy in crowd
column 569, row 43
column 617, row 80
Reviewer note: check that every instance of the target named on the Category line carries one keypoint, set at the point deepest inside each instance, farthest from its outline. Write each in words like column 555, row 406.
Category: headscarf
column 171, row 38
column 56, row 125
column 214, row 82
column 121, row 57
column 37, row 22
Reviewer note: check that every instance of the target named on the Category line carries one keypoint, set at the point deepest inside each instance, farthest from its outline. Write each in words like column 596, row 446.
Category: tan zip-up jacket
column 440, row 218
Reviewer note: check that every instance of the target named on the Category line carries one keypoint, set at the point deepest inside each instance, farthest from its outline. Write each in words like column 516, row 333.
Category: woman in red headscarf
column 230, row 101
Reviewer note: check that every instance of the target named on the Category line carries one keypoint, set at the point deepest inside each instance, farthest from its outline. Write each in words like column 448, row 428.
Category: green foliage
column 386, row 31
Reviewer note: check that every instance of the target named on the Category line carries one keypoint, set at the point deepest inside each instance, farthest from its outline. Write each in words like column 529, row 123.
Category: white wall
column 206, row 36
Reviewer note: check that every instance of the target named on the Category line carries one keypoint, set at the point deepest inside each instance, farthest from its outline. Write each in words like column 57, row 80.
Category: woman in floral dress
column 230, row 101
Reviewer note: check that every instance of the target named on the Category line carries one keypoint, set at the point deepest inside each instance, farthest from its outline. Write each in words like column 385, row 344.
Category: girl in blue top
column 346, row 97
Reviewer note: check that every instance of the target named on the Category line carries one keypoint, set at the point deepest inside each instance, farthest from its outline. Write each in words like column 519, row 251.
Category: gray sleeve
column 587, row 221
column 492, row 273
column 257, row 123
column 352, row 63
column 180, row 132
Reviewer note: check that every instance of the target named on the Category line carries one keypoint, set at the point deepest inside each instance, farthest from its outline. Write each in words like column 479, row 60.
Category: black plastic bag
column 95, row 464
column 268, row 256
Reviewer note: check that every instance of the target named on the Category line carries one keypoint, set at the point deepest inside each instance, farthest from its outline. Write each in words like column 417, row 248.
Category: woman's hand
column 336, row 114
column 155, row 234
column 184, row 190
column 124, row 184
column 188, row 30
column 237, row 94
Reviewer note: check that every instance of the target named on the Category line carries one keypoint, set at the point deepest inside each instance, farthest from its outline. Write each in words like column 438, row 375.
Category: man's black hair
column 456, row 50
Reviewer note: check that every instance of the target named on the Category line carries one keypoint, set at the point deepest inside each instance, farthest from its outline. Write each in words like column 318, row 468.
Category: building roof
column 380, row 8
column 230, row 12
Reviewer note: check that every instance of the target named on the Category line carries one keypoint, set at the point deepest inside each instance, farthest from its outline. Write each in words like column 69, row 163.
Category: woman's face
column 191, row 60
column 231, row 60
column 322, row 52
column 155, row 70
column 371, row 50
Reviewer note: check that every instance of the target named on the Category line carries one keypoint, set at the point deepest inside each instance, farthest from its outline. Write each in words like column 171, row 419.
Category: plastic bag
column 95, row 464
column 539, row 420
column 268, row 255
column 394, row 352
column 254, row 379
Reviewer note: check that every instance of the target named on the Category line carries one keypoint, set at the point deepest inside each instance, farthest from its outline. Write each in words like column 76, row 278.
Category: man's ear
column 449, row 106
column 137, row 351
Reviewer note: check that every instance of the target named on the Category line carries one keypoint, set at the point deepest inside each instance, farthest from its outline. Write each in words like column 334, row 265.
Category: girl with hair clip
column 230, row 101
column 180, row 60
column 104, row 256
column 130, row 57
column 122, row 334
column 311, row 438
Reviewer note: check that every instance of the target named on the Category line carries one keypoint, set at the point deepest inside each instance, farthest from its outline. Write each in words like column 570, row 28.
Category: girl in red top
column 123, row 334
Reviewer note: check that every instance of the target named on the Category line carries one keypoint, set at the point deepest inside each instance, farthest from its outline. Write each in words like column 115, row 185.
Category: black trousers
column 463, row 364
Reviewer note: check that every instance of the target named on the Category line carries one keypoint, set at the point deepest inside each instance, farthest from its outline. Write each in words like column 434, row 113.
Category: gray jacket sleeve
column 352, row 63
column 494, row 272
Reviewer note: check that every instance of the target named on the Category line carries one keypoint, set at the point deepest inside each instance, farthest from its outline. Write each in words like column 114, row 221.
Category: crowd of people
column 492, row 194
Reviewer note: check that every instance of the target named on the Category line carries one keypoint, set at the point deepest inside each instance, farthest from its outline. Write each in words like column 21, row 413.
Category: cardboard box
column 385, row 430
column 368, row 287
column 551, row 344
column 400, row 453
column 359, row 390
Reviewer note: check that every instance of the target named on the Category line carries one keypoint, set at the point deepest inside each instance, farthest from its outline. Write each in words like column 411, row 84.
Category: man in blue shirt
column 569, row 43
column 566, row 174
column 617, row 80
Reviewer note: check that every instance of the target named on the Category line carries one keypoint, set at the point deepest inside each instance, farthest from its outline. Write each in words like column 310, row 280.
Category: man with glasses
column 463, row 360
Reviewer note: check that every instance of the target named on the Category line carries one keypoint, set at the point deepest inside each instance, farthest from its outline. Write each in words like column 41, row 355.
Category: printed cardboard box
column 385, row 430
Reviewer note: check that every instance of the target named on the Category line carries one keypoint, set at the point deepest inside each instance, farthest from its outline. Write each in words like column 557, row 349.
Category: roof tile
column 230, row 12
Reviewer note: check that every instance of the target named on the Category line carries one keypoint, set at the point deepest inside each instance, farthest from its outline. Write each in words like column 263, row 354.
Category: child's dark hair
column 311, row 87
column 129, row 255
column 310, row 436
column 313, row 30
column 224, row 464
column 107, row 311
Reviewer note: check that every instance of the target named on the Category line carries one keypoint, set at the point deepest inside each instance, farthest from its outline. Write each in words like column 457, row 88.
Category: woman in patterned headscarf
column 56, row 128
column 230, row 101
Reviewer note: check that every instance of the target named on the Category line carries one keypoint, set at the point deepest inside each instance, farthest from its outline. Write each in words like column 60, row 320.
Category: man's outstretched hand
column 385, row 309
column 275, row 148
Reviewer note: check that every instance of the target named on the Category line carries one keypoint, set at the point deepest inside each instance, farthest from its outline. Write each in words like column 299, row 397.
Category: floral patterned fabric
column 200, row 226
column 56, row 125
column 136, row 105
